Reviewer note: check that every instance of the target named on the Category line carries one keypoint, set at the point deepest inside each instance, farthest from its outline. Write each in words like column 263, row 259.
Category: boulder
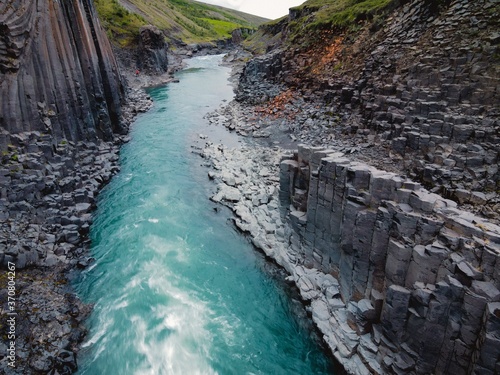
column 152, row 51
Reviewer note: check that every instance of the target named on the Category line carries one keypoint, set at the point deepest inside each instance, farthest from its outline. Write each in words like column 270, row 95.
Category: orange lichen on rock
column 330, row 56
column 277, row 105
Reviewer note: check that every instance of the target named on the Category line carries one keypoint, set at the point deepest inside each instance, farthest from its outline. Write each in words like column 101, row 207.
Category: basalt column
column 58, row 75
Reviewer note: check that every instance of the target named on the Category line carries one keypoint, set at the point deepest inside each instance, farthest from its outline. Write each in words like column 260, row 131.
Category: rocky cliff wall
column 422, row 85
column 400, row 279
column 152, row 53
column 417, row 280
column 60, row 96
column 58, row 75
column 431, row 88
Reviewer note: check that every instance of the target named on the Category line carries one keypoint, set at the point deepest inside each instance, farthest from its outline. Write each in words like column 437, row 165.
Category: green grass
column 314, row 17
column 222, row 27
column 186, row 20
column 345, row 13
column 121, row 25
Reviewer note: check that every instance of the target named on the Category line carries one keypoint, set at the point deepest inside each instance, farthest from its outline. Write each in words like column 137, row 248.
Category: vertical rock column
column 152, row 52
column 58, row 74
column 419, row 277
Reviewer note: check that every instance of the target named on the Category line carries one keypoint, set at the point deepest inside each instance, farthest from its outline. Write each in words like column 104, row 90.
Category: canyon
column 383, row 204
column 389, row 207
column 61, row 123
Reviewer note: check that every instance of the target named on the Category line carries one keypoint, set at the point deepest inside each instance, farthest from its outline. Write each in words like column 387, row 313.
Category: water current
column 176, row 290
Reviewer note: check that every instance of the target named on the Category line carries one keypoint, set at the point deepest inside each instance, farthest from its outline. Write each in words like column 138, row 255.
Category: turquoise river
column 176, row 290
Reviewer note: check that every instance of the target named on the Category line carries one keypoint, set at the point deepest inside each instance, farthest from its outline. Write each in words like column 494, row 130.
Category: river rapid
column 176, row 289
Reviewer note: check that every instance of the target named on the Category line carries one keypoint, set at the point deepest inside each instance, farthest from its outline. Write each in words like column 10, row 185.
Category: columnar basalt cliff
column 60, row 116
column 402, row 268
column 58, row 72
column 152, row 51
column 422, row 84
column 417, row 279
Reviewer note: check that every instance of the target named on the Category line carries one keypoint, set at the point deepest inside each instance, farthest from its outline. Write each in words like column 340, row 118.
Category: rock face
column 439, row 103
column 58, row 72
column 152, row 50
column 424, row 86
column 60, row 113
column 259, row 77
column 417, row 280
column 47, row 194
column 400, row 278
column 239, row 35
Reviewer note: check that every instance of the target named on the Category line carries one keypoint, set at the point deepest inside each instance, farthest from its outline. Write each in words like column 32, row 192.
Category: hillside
column 182, row 21
column 419, row 79
column 394, row 190
column 311, row 23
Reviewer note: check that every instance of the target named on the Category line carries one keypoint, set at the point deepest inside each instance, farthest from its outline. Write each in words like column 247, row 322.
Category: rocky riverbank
column 48, row 194
column 400, row 279
column 46, row 204
column 247, row 181
column 370, row 278
column 291, row 119
column 416, row 94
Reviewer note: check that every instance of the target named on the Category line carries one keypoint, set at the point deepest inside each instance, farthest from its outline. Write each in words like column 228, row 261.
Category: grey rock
column 40, row 87
column 398, row 261
column 486, row 289
column 82, row 208
column 395, row 311
column 366, row 310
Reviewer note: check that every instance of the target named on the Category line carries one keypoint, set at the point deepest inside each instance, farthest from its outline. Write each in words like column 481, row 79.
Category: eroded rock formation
column 400, row 278
column 58, row 74
column 152, row 51
column 423, row 85
column 60, row 111
column 418, row 280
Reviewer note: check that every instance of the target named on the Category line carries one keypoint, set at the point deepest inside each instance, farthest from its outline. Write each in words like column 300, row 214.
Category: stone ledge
column 419, row 261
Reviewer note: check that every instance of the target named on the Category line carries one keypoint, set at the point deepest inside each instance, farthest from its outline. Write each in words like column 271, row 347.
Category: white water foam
column 180, row 343
column 176, row 246
column 103, row 328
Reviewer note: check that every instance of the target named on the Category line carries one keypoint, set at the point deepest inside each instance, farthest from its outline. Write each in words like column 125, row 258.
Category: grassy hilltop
column 181, row 20
column 307, row 23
